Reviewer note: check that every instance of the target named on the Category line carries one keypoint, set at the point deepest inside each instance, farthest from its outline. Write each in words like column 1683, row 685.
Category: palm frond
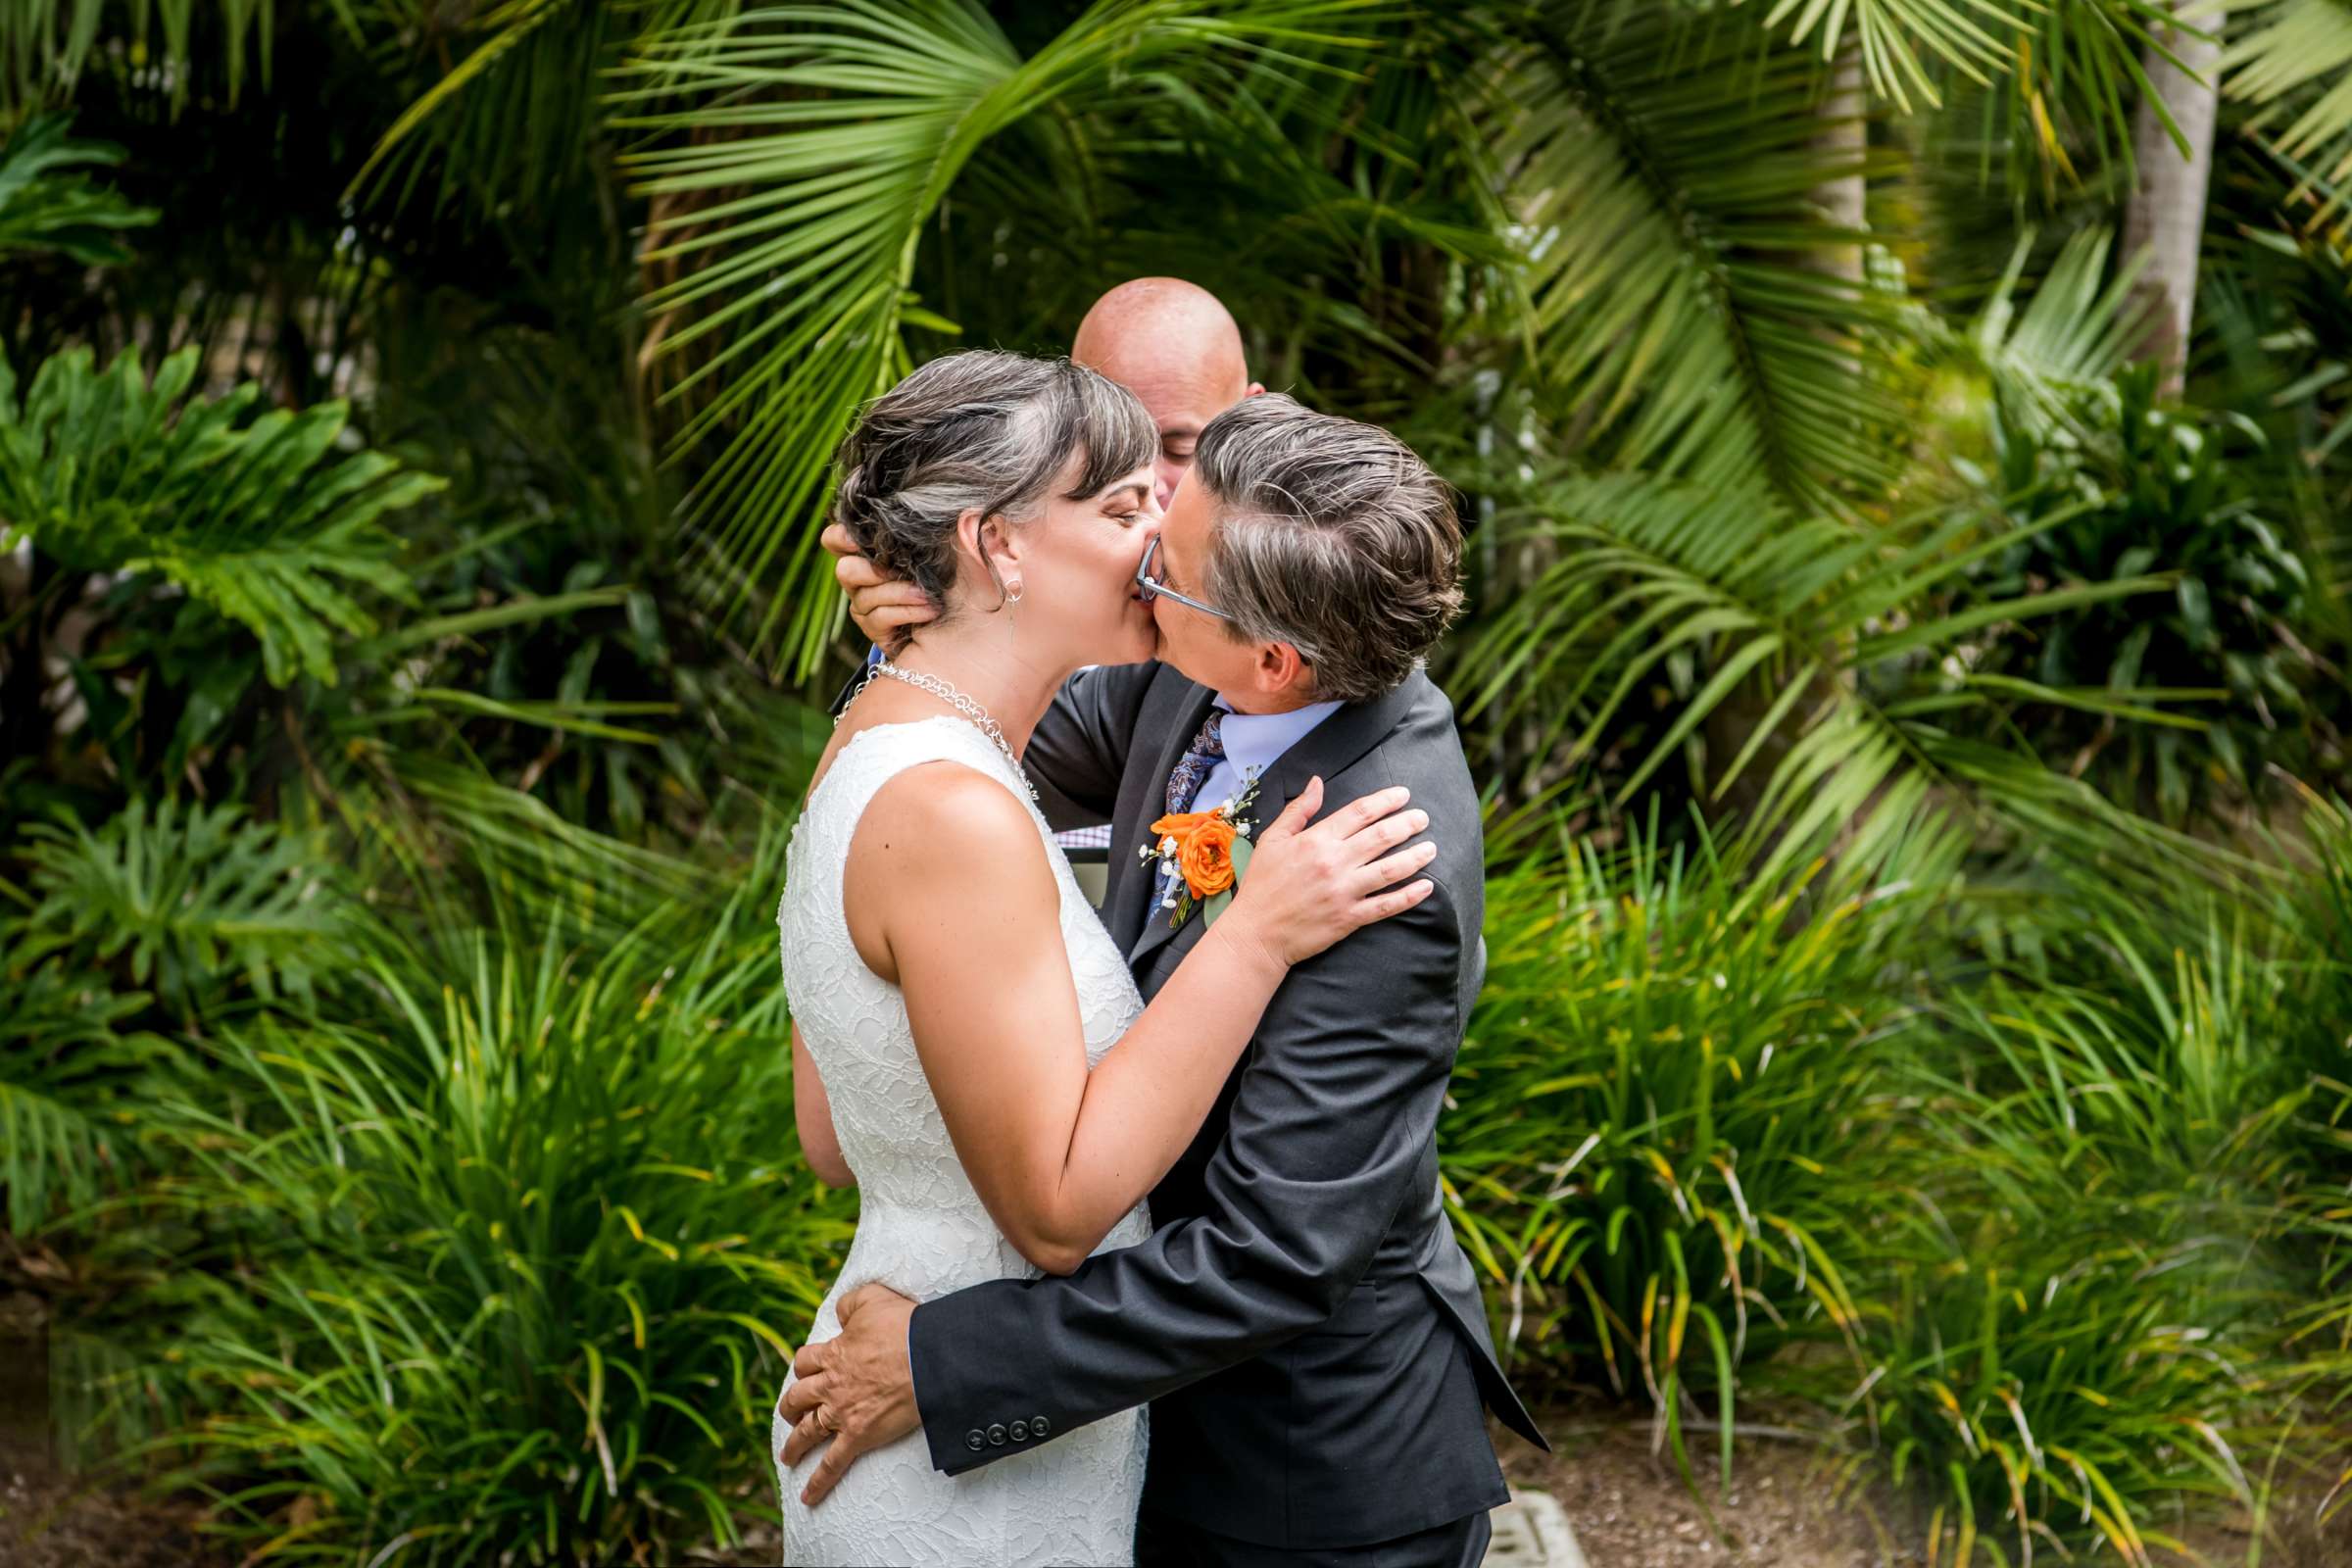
column 2049, row 69
column 1839, row 624
column 2291, row 62
column 517, row 119
column 1683, row 319
column 2079, row 328
column 1893, row 37
column 823, row 141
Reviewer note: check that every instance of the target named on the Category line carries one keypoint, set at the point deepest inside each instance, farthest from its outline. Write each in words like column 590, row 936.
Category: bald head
column 1175, row 346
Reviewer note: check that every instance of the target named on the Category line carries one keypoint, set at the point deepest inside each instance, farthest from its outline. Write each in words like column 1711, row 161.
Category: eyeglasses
column 1152, row 587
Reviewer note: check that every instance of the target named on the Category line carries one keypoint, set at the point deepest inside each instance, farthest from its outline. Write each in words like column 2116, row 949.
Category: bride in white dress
column 957, row 1003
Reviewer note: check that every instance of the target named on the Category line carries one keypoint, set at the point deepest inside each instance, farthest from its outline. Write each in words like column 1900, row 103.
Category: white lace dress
column 921, row 1229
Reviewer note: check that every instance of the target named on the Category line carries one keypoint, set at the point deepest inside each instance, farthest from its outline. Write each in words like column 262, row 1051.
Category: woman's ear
column 989, row 540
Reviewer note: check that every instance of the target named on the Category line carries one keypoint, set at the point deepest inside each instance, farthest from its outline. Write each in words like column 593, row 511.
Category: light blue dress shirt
column 1253, row 741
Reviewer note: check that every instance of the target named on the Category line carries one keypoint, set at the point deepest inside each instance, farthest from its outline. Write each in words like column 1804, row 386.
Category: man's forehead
column 1174, row 387
column 1178, row 382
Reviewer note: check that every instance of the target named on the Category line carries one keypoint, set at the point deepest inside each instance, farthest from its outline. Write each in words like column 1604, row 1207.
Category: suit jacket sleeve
column 1079, row 749
column 1328, row 1125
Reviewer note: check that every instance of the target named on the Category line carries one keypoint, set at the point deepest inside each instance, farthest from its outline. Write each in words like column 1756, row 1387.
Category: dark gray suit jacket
column 1303, row 1321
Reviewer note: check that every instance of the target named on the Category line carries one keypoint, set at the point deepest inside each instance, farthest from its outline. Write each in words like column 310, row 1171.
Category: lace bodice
column 921, row 1228
column 854, row 1021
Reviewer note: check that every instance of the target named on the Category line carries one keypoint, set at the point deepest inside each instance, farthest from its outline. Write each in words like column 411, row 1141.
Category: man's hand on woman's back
column 880, row 605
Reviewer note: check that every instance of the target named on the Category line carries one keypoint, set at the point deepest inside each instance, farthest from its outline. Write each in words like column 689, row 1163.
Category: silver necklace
column 978, row 715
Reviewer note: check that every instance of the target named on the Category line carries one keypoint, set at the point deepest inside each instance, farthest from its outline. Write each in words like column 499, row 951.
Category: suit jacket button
column 995, row 1434
column 1020, row 1432
column 1038, row 1427
column 975, row 1440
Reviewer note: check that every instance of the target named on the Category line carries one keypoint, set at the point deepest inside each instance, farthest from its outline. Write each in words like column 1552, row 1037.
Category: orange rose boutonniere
column 1209, row 850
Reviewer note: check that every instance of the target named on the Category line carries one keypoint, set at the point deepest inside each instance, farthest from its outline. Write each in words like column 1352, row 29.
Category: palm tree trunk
column 1842, row 141
column 2167, row 213
column 1845, row 141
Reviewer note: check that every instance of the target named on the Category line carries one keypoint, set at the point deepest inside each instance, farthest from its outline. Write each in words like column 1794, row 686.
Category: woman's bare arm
column 820, row 1146
column 949, row 893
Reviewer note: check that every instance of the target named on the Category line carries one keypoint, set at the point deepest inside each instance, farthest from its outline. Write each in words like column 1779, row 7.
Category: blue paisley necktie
column 1205, row 753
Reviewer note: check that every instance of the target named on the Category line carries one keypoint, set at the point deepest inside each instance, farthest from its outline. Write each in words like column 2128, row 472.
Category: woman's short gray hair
column 981, row 428
column 1330, row 535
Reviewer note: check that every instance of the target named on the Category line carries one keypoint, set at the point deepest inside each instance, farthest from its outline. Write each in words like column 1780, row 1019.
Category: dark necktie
column 1184, row 786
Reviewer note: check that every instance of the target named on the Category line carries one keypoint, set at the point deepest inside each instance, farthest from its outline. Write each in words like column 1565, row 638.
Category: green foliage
column 184, row 903
column 76, row 1073
column 443, row 1204
column 518, row 1250
column 148, row 921
column 2143, row 490
column 45, row 44
column 251, row 520
column 46, row 202
column 2075, row 1320
column 1841, row 634
column 2054, row 1391
column 1664, row 1120
column 2288, row 63
column 1680, row 314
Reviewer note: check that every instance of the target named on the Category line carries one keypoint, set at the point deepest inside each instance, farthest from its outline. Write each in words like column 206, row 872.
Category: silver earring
column 1012, row 595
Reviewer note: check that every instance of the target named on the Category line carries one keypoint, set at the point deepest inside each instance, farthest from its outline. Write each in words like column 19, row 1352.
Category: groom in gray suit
column 1305, row 1325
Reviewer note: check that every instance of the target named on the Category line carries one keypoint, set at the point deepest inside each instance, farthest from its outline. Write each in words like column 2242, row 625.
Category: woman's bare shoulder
column 955, row 826
column 945, row 836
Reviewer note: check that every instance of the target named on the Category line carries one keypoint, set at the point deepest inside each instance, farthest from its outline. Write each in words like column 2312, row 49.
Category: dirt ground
column 1793, row 1506
column 50, row 1520
column 1786, row 1507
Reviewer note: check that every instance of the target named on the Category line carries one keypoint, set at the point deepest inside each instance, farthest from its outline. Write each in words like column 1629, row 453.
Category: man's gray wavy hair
column 1330, row 535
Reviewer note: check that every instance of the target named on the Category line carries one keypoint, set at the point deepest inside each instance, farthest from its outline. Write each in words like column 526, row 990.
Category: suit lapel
column 1143, row 805
column 1328, row 748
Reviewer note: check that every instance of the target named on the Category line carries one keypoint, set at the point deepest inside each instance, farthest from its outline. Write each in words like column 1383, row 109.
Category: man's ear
column 1255, row 387
column 1280, row 669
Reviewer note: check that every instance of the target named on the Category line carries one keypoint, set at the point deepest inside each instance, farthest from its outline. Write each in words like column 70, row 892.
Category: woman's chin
column 1141, row 644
